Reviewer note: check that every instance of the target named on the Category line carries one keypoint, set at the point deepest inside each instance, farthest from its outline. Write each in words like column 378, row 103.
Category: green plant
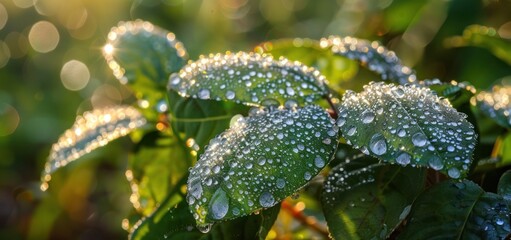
column 221, row 142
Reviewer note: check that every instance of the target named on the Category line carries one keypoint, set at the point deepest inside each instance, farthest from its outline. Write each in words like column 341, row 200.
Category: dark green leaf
column 155, row 168
column 371, row 55
column 408, row 125
column 249, row 78
column 457, row 210
column 364, row 199
column 200, row 120
column 504, row 187
column 496, row 104
column 92, row 130
column 485, row 37
column 458, row 94
column 259, row 161
column 171, row 221
column 143, row 56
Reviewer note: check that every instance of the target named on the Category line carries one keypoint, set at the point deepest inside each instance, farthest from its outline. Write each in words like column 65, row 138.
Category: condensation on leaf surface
column 142, row 35
column 411, row 126
column 260, row 160
column 496, row 104
column 372, row 55
column 248, row 78
column 92, row 130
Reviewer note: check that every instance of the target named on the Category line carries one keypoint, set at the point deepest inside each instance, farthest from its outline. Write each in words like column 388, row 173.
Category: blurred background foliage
column 51, row 69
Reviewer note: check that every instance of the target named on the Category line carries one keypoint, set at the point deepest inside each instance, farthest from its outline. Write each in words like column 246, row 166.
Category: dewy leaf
column 458, row 93
column 496, row 104
column 143, row 56
column 249, row 78
column 371, row 55
column 155, row 167
column 171, row 221
column 364, row 199
column 485, row 37
column 457, row 210
column 408, row 125
column 92, row 130
column 337, row 69
column 259, row 161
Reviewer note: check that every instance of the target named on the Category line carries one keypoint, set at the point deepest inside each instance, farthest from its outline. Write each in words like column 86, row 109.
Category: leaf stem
column 308, row 221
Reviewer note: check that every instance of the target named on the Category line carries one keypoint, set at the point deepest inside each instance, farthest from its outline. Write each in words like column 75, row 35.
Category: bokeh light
column 5, row 54
column 23, row 3
column 3, row 16
column 74, row 75
column 18, row 44
column 9, row 119
column 44, row 37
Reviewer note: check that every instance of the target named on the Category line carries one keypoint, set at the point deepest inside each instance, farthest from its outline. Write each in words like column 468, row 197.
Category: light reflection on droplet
column 5, row 54
column 9, row 119
column 43, row 37
column 74, row 75
column 3, row 16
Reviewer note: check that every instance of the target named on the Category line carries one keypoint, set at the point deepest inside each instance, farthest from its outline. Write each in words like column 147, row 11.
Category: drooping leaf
column 485, row 37
column 504, row 187
column 92, row 130
column 496, row 104
column 171, row 221
column 372, row 55
column 259, row 161
column 408, row 125
column 155, row 168
column 337, row 69
column 143, row 56
column 200, row 120
column 457, row 210
column 365, row 199
column 249, row 78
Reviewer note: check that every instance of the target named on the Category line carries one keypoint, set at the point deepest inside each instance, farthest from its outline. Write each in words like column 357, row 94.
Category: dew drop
column 307, row 176
column 266, row 200
column 499, row 221
column 435, row 163
column 401, row 132
column 352, row 131
column 230, row 95
column 403, row 158
column 377, row 144
column 204, row 93
column 367, row 117
column 453, row 173
column 341, row 122
column 204, row 228
column 450, row 148
column 281, row 183
column 261, row 161
column 319, row 162
column 219, row 205
column 419, row 139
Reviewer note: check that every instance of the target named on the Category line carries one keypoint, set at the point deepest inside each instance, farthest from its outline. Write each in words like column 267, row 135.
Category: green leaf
column 484, row 37
column 458, row 94
column 496, row 104
column 371, row 55
column 408, row 125
column 364, row 199
column 92, row 130
column 155, row 168
column 337, row 69
column 457, row 210
column 259, row 161
column 143, row 56
column 200, row 120
column 249, row 78
column 171, row 221
column 504, row 187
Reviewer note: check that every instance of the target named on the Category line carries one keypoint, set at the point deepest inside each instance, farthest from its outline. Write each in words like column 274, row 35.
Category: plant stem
column 308, row 221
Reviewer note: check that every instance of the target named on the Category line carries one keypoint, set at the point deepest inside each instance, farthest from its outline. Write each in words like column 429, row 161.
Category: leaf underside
column 457, row 210
column 259, row 161
column 408, row 125
column 365, row 199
